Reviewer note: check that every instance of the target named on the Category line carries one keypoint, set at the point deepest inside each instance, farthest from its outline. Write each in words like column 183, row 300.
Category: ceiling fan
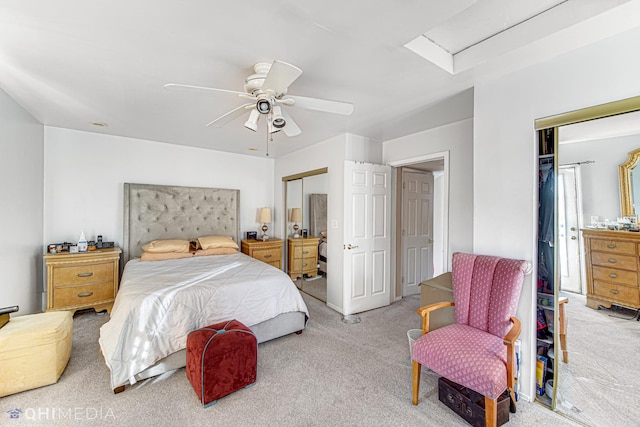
column 266, row 92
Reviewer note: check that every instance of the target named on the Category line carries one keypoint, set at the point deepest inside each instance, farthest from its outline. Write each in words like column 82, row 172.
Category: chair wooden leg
column 490, row 412
column 415, row 381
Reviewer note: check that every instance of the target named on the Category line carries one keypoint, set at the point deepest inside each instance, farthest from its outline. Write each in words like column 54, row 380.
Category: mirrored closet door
column 588, row 263
column 306, row 231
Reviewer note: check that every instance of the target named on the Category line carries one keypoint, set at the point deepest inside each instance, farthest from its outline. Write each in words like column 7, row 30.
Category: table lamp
column 296, row 217
column 265, row 218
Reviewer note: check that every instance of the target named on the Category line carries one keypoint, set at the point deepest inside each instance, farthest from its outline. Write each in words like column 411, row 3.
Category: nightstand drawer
column 268, row 255
column 80, row 274
column 83, row 294
column 305, row 251
column 300, row 264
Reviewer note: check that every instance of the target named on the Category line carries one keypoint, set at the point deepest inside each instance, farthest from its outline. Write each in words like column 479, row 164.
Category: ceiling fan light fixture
column 252, row 122
column 271, row 128
column 263, row 105
column 277, row 120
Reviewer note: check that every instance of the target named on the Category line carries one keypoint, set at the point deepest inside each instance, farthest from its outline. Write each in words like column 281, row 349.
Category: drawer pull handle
column 305, row 253
column 614, row 291
column 85, row 294
column 85, row 274
column 613, row 275
column 612, row 260
column 268, row 256
column 611, row 245
column 305, row 264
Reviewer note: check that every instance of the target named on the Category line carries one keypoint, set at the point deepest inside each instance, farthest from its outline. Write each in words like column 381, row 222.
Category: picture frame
column 252, row 235
column 305, row 232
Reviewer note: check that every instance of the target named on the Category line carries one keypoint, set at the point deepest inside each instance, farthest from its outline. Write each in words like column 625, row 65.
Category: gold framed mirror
column 625, row 176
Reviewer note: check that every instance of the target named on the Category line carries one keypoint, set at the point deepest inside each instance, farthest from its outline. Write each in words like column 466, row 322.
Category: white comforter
column 160, row 302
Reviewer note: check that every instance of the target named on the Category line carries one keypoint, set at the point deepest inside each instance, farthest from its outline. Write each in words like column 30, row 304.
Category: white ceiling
column 74, row 62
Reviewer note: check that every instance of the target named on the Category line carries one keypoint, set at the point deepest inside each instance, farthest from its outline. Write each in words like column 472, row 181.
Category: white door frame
column 446, row 259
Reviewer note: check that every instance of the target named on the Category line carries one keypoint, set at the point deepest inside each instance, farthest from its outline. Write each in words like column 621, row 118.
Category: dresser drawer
column 83, row 294
column 623, row 277
column 623, row 294
column 305, row 251
column 625, row 262
column 267, row 255
column 602, row 245
column 83, row 274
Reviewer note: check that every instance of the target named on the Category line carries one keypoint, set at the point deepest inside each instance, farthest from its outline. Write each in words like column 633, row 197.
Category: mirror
column 629, row 177
column 594, row 380
column 306, row 231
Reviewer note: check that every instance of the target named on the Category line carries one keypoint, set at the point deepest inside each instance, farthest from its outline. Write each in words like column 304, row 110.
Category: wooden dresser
column 269, row 251
column 612, row 267
column 303, row 257
column 76, row 281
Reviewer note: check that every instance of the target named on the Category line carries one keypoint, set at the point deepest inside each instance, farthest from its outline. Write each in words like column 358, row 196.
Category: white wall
column 85, row 173
column 505, row 171
column 600, row 189
column 21, row 160
column 457, row 139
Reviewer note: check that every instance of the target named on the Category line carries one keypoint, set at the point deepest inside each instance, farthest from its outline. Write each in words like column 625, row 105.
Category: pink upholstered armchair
column 477, row 351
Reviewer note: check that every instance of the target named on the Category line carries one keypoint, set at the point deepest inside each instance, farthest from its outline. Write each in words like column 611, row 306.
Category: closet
column 547, row 274
column 306, row 231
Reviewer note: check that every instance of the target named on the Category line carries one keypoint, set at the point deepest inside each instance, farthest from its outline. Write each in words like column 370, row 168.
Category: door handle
column 573, row 237
column 572, row 229
column 350, row 246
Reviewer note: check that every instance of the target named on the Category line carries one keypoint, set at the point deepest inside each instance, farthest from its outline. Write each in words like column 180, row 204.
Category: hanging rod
column 586, row 162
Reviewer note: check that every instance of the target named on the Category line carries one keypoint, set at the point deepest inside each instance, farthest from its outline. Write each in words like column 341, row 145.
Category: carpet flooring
column 600, row 386
column 333, row 374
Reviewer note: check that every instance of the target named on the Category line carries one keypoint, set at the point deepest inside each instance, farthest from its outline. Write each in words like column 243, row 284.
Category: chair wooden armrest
column 509, row 340
column 514, row 332
column 427, row 309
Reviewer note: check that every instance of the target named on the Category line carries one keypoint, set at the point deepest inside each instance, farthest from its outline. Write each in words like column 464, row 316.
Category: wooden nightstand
column 303, row 257
column 269, row 251
column 76, row 281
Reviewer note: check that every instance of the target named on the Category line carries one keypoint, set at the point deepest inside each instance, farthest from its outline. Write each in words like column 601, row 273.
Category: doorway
column 437, row 165
column 569, row 225
column 417, row 228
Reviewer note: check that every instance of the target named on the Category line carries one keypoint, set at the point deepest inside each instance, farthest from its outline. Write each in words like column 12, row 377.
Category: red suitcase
column 221, row 359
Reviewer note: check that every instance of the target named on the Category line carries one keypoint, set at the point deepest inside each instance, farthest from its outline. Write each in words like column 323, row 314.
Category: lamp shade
column 296, row 215
column 265, row 216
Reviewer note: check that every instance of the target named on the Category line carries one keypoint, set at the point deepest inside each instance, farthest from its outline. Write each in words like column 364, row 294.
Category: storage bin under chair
column 221, row 359
column 34, row 350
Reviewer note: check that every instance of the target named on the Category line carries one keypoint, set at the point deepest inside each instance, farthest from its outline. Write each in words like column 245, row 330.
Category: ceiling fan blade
column 336, row 107
column 280, row 77
column 291, row 128
column 174, row 86
column 231, row 115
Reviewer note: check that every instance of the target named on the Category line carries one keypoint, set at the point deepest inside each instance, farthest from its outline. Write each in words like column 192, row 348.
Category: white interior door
column 367, row 240
column 417, row 230
column 569, row 230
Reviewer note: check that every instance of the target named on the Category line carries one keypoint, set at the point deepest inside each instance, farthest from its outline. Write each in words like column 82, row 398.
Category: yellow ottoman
column 34, row 350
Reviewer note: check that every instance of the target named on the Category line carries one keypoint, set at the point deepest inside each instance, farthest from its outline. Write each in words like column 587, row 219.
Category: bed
column 160, row 302
column 318, row 227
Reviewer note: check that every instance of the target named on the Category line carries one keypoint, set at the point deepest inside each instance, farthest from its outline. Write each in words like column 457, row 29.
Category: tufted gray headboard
column 153, row 212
